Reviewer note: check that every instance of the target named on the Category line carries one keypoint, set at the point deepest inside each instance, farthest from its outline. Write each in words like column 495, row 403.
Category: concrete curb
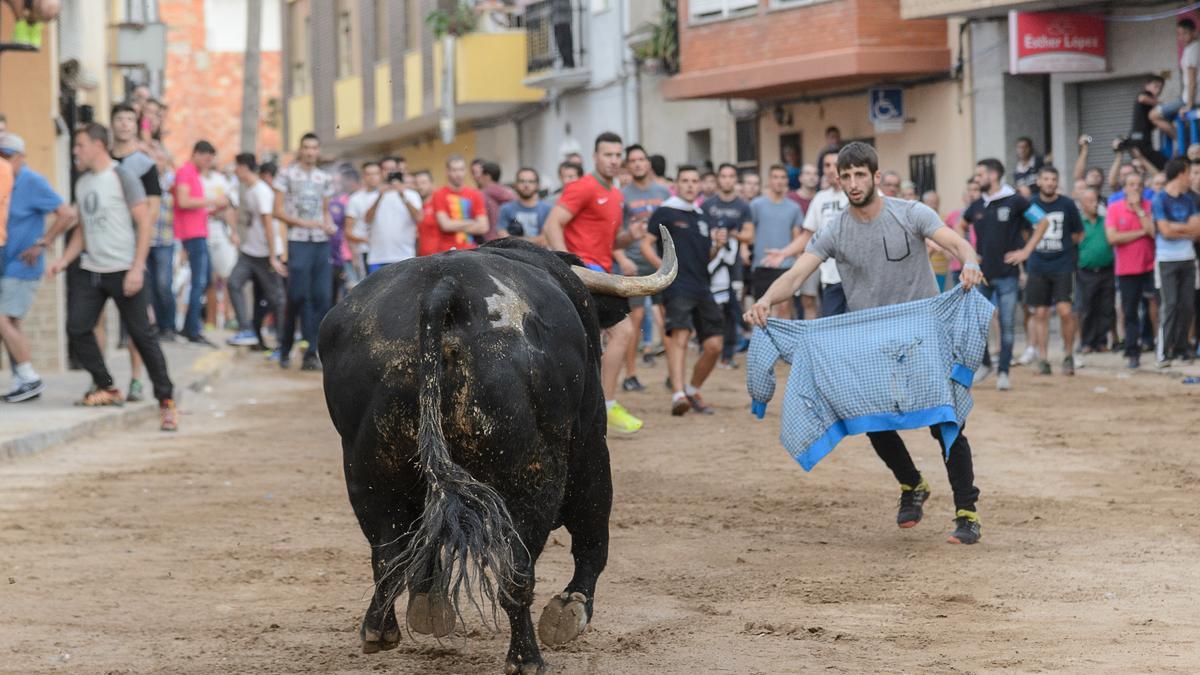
column 202, row 373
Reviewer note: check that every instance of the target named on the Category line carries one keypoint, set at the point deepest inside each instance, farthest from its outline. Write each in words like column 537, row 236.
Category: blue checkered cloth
column 888, row 368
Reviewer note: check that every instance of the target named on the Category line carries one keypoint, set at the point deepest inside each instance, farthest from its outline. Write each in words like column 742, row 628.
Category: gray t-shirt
column 639, row 205
column 884, row 261
column 774, row 225
column 109, row 235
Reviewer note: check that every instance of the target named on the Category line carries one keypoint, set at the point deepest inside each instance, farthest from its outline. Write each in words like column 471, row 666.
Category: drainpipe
column 446, row 122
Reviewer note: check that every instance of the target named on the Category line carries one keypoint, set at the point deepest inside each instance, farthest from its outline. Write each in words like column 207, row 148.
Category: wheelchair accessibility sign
column 886, row 108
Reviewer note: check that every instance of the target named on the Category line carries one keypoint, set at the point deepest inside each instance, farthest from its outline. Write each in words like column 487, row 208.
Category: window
column 347, row 64
column 225, row 24
column 381, row 31
column 922, row 172
column 704, row 10
column 301, row 28
column 785, row 4
column 747, row 142
column 699, row 148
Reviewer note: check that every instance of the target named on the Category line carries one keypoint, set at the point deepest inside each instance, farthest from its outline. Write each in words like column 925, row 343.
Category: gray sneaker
column 1068, row 366
column 26, row 392
column 1002, row 383
column 1043, row 367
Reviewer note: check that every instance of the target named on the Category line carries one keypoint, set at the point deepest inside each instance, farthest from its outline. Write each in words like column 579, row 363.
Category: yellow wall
column 29, row 99
column 383, row 94
column 429, row 154
column 937, row 127
column 490, row 67
column 413, row 91
column 300, row 119
column 348, row 106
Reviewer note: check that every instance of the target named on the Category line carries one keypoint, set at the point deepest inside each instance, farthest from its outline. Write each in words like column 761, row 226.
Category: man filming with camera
column 384, row 217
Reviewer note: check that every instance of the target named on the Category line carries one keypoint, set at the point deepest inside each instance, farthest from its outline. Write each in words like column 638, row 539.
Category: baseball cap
column 11, row 144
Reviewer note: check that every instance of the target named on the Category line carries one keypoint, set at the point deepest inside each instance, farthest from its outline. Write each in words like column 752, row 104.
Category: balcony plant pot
column 653, row 65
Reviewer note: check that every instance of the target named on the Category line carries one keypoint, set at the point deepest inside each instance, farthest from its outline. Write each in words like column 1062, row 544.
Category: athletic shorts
column 811, row 285
column 763, row 277
column 1046, row 290
column 702, row 316
column 16, row 296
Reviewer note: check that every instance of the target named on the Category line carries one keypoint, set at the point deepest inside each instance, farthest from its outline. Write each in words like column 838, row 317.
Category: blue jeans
column 309, row 293
column 159, row 273
column 1002, row 293
column 833, row 300
column 197, row 255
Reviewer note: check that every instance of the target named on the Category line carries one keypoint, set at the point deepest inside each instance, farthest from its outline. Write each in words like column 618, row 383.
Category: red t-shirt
column 592, row 232
column 190, row 223
column 1137, row 256
column 462, row 204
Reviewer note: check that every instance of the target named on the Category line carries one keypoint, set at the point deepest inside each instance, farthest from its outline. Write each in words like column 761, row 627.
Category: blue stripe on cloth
column 942, row 416
column 962, row 375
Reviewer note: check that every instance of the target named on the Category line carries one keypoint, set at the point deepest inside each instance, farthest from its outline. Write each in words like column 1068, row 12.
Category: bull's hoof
column 563, row 619
column 518, row 668
column 374, row 642
column 430, row 615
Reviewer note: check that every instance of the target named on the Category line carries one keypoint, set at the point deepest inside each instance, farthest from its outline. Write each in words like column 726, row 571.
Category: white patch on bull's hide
column 506, row 309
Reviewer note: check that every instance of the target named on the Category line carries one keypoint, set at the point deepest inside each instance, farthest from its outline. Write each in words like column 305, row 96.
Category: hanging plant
column 457, row 22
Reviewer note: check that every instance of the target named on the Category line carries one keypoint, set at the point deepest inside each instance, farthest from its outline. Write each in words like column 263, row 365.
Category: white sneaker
column 1002, row 383
column 1028, row 357
column 983, row 373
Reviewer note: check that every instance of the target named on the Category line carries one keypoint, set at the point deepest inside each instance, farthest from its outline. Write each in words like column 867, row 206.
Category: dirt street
column 231, row 546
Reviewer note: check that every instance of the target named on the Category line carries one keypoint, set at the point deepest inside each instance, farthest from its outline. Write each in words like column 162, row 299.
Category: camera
column 395, row 176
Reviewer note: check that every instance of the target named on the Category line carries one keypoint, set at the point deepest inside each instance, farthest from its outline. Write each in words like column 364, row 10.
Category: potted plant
column 456, row 23
column 661, row 52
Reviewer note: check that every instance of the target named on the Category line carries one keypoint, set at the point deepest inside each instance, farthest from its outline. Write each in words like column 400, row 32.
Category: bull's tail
column 464, row 540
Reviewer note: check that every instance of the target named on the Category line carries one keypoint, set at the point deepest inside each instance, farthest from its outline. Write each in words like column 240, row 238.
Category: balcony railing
column 553, row 30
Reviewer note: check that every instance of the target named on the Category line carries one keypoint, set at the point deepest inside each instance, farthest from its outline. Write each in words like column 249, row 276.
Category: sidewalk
column 52, row 419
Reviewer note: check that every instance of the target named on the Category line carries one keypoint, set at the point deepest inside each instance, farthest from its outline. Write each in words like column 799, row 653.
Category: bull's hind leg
column 430, row 611
column 383, row 521
column 586, row 509
column 524, row 657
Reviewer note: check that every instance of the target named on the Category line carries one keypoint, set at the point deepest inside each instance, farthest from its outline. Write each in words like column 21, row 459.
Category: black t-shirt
column 998, row 230
column 1029, row 175
column 689, row 231
column 1055, row 252
column 141, row 165
column 731, row 215
column 1142, row 126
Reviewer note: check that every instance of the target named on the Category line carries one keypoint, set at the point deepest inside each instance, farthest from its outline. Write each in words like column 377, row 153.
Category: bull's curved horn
column 632, row 287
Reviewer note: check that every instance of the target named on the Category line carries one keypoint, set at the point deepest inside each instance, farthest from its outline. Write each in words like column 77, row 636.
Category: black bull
column 466, row 390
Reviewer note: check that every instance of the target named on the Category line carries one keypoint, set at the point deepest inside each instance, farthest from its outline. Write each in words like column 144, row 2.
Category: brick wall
column 823, row 27
column 203, row 89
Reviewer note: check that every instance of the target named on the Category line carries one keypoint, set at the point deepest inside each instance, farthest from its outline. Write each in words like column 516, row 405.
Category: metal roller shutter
column 1105, row 112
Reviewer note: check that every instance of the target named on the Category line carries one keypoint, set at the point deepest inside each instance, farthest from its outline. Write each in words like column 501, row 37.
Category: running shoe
column 1002, row 383
column 633, row 384
column 1028, row 357
column 243, row 338
column 966, row 528
column 25, row 391
column 699, row 405
column 1068, row 366
column 1165, row 363
column 1043, row 367
column 274, row 355
column 648, row 359
column 168, row 416
column 621, row 421
column 1133, row 363
column 135, row 392
column 96, row 398
column 982, row 374
column 680, row 405
column 912, row 504
column 728, row 364
column 311, row 362
column 201, row 341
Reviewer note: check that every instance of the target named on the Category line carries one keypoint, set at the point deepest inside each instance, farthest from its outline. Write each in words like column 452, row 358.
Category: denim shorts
column 16, row 296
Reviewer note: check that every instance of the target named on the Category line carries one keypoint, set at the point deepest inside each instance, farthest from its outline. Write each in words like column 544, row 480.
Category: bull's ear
column 569, row 258
column 610, row 310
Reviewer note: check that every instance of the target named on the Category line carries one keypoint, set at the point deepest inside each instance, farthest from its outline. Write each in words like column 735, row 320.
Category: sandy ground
column 231, row 547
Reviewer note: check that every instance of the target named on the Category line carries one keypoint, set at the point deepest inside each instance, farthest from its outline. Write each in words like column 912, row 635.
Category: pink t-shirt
column 1137, row 256
column 189, row 223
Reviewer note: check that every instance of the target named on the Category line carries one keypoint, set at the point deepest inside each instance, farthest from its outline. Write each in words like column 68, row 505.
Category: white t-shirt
column 259, row 201
column 825, row 207
column 1190, row 58
column 360, row 202
column 392, row 236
